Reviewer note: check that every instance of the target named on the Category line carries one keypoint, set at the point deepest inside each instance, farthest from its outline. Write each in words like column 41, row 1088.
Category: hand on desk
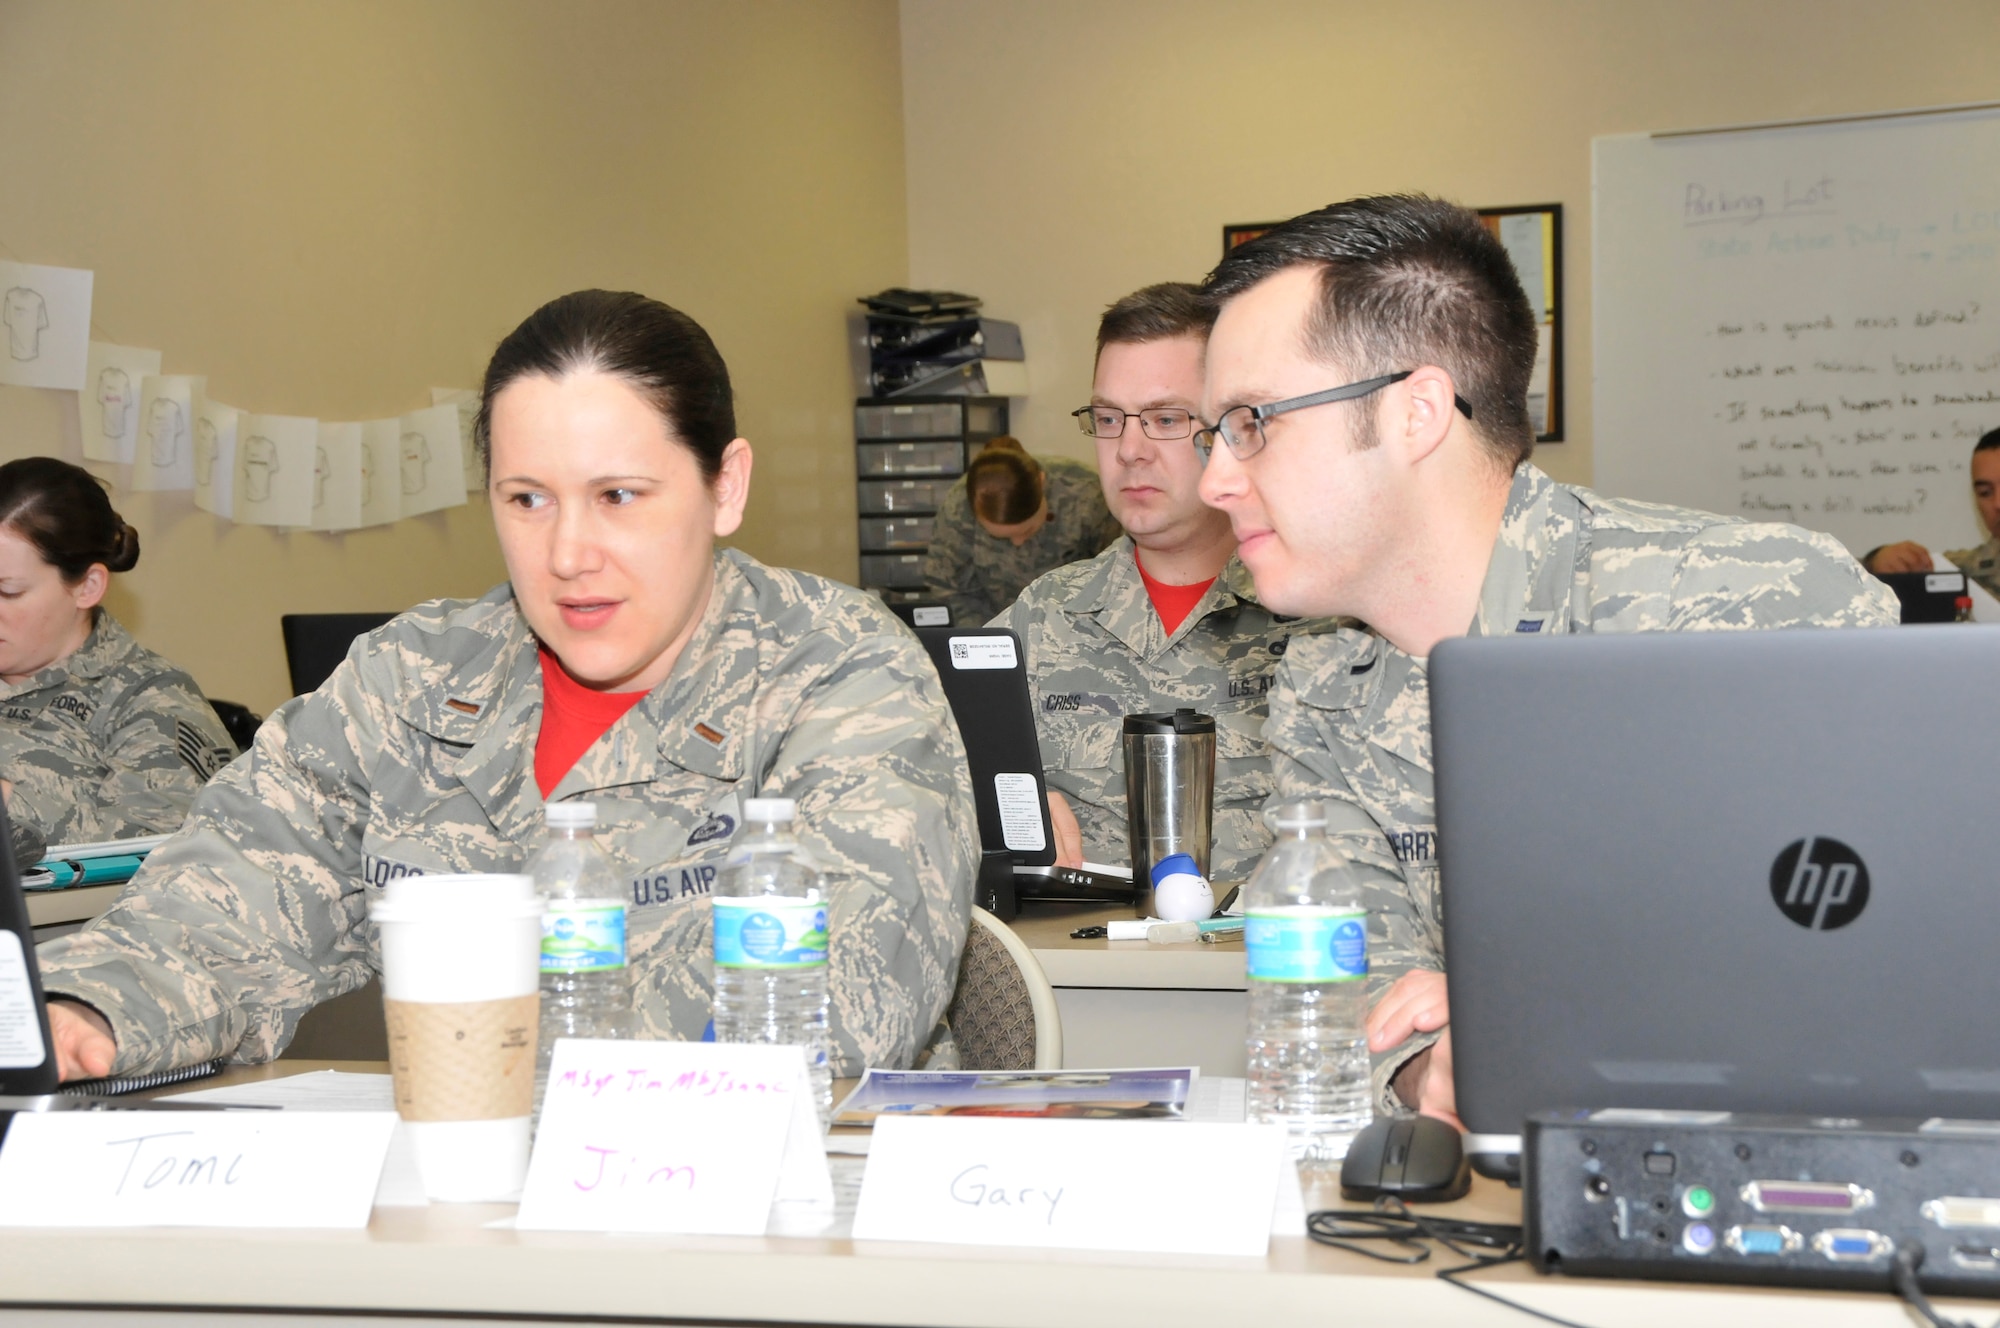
column 84, row 1047
column 1906, row 556
column 1416, row 1004
column 1069, row 835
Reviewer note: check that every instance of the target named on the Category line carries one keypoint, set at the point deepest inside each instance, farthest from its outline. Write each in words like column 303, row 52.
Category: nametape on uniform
column 192, row 1168
column 1020, row 808
column 1164, row 1187
column 983, row 652
column 689, row 1137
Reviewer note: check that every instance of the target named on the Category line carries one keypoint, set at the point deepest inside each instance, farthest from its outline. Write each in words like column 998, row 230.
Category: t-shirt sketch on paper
column 367, row 478
column 114, row 394
column 26, row 314
column 260, row 463
column 204, row 452
column 322, row 468
column 165, row 427
column 416, row 456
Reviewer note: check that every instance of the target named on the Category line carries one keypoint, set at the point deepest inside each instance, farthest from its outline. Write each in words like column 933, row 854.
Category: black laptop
column 985, row 677
column 28, row 1069
column 1927, row 597
column 1747, row 872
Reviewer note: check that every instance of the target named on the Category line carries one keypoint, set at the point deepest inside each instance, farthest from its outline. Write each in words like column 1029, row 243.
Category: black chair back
column 315, row 643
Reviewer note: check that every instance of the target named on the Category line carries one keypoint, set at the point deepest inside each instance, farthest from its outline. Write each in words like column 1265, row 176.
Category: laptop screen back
column 27, row 1056
column 1730, row 871
column 985, row 677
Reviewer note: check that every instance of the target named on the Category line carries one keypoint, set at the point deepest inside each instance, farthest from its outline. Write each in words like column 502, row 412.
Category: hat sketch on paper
column 26, row 315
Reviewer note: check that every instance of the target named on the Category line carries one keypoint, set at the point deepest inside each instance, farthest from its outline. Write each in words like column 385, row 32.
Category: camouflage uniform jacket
column 1097, row 651
column 1981, row 564
column 1350, row 713
column 417, row 755
column 979, row 575
column 108, row 743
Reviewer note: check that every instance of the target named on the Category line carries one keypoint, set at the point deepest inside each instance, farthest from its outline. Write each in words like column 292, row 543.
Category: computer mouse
column 1417, row 1159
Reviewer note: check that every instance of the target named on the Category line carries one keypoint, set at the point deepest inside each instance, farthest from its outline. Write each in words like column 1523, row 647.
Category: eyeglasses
column 1242, row 427
column 1161, row 423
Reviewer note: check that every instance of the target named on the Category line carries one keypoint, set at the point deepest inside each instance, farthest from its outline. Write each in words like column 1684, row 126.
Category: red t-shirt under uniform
column 1172, row 603
column 573, row 717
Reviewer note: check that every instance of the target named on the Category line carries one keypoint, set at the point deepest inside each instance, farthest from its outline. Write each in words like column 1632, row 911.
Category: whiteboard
column 1801, row 324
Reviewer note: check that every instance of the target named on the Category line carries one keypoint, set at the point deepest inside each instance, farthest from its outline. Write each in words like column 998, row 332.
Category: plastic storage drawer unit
column 884, row 534
column 893, row 571
column 894, row 497
column 897, row 459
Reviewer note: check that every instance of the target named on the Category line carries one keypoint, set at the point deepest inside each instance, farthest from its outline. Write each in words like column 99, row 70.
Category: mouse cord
column 1909, row 1258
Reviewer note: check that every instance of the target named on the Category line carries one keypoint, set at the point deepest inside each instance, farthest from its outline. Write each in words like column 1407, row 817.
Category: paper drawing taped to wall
column 338, row 463
column 26, row 316
column 108, row 407
column 215, row 456
column 416, row 456
column 166, row 405
column 430, row 460
column 45, row 326
column 275, row 470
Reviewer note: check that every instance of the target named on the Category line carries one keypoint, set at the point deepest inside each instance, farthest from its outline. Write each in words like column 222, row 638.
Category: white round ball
column 1183, row 897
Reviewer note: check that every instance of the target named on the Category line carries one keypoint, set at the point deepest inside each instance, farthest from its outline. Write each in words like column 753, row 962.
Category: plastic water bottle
column 586, row 991
column 770, row 943
column 1306, row 954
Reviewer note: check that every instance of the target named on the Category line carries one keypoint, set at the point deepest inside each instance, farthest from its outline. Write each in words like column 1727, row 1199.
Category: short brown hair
column 1157, row 313
column 1406, row 280
column 1004, row 483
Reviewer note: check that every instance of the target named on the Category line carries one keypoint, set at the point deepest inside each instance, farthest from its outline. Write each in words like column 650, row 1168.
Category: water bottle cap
column 570, row 815
column 769, row 809
column 1297, row 816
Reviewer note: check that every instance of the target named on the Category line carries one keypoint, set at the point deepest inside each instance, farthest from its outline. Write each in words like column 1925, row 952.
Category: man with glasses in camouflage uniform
column 1166, row 617
column 1368, row 376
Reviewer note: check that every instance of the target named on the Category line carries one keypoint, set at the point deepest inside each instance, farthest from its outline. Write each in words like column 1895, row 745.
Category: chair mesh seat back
column 992, row 1014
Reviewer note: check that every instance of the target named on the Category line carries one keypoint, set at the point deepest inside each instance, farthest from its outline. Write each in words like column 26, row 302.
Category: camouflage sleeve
column 951, row 573
column 885, row 806
column 1760, row 575
column 253, row 913
column 1402, row 935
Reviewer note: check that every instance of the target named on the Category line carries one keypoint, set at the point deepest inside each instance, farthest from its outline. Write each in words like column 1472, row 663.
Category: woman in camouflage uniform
column 100, row 738
column 608, row 429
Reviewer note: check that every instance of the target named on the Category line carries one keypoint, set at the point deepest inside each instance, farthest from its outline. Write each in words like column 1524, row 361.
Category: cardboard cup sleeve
column 463, row 1061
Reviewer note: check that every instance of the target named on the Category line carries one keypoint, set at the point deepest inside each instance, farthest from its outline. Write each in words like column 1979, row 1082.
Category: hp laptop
column 1747, row 872
column 985, row 676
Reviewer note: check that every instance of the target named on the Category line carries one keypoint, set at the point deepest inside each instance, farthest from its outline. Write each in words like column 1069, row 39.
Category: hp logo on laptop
column 1821, row 884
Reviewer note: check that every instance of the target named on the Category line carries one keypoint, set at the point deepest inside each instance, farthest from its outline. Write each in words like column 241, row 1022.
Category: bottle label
column 1305, row 944
column 769, row 933
column 583, row 936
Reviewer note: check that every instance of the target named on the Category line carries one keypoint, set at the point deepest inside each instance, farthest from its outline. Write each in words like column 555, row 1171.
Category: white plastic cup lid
column 570, row 815
column 410, row 898
column 770, row 809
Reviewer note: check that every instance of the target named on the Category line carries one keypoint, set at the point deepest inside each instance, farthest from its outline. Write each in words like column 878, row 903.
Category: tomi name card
column 673, row 1136
column 1147, row 1186
column 192, row 1168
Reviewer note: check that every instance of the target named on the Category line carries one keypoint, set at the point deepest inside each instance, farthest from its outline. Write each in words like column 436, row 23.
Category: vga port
column 1851, row 1245
column 1805, row 1196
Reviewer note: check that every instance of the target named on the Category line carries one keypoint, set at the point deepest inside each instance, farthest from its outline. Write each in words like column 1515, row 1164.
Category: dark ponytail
column 64, row 512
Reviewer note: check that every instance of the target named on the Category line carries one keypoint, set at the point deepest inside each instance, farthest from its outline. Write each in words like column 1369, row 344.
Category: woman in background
column 100, row 738
column 1012, row 518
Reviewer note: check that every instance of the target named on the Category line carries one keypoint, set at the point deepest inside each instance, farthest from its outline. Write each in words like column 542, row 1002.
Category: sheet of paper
column 381, row 464
column 164, row 455
column 466, row 400
column 215, row 456
column 1157, row 1187
column 673, row 1136
column 431, row 460
column 45, row 323
column 201, row 1169
column 108, row 403
column 274, row 469
column 337, row 477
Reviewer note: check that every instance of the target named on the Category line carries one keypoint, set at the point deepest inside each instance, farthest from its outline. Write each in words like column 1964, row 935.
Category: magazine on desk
column 1152, row 1094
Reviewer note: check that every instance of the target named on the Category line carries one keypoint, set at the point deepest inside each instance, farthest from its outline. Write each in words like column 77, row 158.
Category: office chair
column 315, row 643
column 1003, row 1014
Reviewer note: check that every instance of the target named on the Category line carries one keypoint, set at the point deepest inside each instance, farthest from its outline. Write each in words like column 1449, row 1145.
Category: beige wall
column 330, row 207
column 1062, row 154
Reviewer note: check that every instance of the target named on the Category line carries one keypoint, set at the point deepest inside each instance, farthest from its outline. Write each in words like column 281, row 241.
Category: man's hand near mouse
column 1414, row 1004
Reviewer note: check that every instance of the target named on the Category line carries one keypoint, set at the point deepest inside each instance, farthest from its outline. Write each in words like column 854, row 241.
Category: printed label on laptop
column 1020, row 810
column 767, row 932
column 20, row 1022
column 983, row 652
column 1301, row 943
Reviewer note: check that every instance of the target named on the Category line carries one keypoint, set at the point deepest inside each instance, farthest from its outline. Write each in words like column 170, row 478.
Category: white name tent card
column 192, row 1168
column 673, row 1136
column 1146, row 1186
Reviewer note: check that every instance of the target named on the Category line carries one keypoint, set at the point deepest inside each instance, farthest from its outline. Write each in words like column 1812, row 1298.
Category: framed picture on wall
column 1532, row 236
column 1243, row 232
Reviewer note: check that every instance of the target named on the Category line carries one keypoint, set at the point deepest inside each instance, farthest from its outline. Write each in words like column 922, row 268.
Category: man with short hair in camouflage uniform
column 1981, row 564
column 977, row 563
column 1411, row 505
column 1166, row 617
column 110, row 742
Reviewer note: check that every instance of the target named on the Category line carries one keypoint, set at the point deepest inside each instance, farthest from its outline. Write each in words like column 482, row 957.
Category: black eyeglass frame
column 1082, row 416
column 1205, row 438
